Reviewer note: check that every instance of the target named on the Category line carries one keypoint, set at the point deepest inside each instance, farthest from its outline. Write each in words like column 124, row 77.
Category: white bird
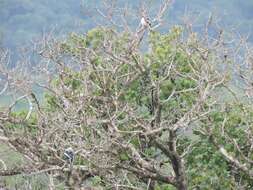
column 145, row 22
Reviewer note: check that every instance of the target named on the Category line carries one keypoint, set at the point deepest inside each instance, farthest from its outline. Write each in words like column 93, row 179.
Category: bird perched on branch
column 145, row 22
column 69, row 155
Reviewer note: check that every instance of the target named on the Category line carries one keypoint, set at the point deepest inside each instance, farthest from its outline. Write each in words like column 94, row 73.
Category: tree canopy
column 134, row 108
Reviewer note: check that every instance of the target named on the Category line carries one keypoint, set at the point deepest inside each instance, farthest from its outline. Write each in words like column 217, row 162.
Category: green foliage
column 52, row 102
column 164, row 187
column 95, row 38
column 123, row 156
column 168, row 69
column 138, row 93
column 229, row 126
column 150, row 152
column 207, row 169
column 27, row 125
column 96, row 180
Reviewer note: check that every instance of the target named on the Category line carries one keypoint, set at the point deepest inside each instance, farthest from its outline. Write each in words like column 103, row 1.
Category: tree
column 139, row 109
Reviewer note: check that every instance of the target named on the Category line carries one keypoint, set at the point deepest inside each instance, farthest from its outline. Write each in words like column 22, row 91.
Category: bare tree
column 119, row 112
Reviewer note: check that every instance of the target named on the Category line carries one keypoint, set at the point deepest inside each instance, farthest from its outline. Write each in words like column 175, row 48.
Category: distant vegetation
column 22, row 20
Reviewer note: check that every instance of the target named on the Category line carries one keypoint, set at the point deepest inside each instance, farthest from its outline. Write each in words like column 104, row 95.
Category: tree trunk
column 175, row 159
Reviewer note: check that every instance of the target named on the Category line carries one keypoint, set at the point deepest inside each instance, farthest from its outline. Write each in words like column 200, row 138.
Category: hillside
column 24, row 20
